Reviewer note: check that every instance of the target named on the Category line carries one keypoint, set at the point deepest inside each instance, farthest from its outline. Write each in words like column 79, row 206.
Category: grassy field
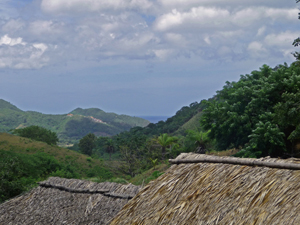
column 21, row 145
column 23, row 162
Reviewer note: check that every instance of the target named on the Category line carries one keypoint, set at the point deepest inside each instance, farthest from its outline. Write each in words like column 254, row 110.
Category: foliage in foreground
column 19, row 172
column 23, row 162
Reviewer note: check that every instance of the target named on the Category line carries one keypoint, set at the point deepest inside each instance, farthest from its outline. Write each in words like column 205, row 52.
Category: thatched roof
column 201, row 189
column 67, row 201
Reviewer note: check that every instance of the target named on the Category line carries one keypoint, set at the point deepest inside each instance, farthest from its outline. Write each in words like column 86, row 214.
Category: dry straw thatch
column 67, row 201
column 201, row 189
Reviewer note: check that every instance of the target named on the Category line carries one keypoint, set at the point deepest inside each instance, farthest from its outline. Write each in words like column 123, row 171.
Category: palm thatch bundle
column 202, row 189
column 67, row 201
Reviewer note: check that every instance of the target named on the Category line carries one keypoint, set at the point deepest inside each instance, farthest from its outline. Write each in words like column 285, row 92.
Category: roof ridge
column 105, row 192
column 238, row 161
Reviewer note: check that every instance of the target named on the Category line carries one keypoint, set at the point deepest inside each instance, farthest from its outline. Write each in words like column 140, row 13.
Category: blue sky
column 136, row 57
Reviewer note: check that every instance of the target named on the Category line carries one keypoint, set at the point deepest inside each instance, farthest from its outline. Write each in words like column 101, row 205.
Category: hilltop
column 70, row 127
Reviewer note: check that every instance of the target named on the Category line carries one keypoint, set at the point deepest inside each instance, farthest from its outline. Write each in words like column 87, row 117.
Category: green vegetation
column 255, row 116
column 23, row 162
column 258, row 113
column 38, row 133
column 70, row 128
column 87, row 143
column 149, row 175
column 19, row 172
column 164, row 140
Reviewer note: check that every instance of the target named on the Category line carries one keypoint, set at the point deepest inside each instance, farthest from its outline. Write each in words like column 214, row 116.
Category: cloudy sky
column 136, row 57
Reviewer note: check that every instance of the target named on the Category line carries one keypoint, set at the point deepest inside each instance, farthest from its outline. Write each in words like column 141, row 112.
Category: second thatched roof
column 201, row 189
column 67, row 201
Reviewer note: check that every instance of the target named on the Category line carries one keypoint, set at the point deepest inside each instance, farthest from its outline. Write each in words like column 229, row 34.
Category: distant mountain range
column 69, row 127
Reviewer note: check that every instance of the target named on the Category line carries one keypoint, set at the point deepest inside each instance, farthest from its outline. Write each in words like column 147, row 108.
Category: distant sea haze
column 154, row 119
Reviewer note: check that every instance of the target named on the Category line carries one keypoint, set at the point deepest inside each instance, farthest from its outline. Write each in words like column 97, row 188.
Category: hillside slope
column 23, row 162
column 21, row 145
column 69, row 127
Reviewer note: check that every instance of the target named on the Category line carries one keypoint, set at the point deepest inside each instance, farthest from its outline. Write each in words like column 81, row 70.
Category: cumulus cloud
column 196, row 17
column 282, row 39
column 147, row 30
column 58, row 6
column 212, row 17
column 185, row 4
column 17, row 54
column 6, row 40
column 286, row 14
column 257, row 49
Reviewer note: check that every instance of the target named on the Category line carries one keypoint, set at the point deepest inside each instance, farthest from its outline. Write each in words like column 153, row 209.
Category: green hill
column 187, row 118
column 69, row 127
column 23, row 162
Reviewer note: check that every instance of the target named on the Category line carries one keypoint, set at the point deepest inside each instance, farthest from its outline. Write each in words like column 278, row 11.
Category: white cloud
column 58, row 6
column 224, row 51
column 176, row 39
column 13, row 26
column 283, row 39
column 179, row 2
column 247, row 16
column 6, row 40
column 207, row 40
column 17, row 54
column 256, row 47
column 43, row 27
column 40, row 46
column 184, row 4
column 261, row 31
column 212, row 17
column 92, row 30
column 163, row 54
column 195, row 18
column 287, row 14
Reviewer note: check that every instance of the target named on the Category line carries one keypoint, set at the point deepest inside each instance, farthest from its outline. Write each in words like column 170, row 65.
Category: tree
column 38, row 133
column 130, row 163
column 197, row 141
column 109, row 144
column 87, row 144
column 247, row 113
column 165, row 140
column 288, row 115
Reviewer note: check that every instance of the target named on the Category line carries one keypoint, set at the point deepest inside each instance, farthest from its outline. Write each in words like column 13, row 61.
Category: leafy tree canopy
column 164, row 140
column 87, row 144
column 259, row 112
column 37, row 133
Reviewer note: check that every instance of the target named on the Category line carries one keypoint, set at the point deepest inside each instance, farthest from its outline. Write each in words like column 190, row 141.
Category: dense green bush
column 38, row 133
column 260, row 113
column 20, row 172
